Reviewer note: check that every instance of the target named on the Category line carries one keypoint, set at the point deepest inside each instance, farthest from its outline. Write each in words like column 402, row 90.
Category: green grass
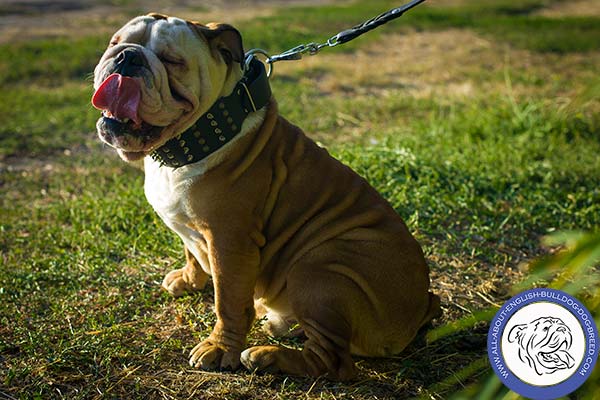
column 38, row 115
column 37, row 75
column 480, row 179
column 505, row 21
column 516, row 23
column 49, row 62
column 497, row 170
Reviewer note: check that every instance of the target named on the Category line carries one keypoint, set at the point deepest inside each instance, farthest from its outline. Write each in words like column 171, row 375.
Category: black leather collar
column 221, row 123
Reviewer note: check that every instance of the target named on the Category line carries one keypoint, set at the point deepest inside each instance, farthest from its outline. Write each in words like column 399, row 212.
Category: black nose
column 129, row 62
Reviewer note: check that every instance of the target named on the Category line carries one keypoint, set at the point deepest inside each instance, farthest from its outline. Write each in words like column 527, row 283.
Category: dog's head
column 544, row 344
column 158, row 75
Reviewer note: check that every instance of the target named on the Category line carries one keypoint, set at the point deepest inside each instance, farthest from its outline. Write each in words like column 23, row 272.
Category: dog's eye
column 166, row 59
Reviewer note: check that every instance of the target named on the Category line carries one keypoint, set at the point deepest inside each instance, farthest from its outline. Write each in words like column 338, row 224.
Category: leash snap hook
column 254, row 53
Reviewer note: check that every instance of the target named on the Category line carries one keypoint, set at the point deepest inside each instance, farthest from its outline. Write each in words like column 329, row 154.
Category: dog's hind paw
column 260, row 358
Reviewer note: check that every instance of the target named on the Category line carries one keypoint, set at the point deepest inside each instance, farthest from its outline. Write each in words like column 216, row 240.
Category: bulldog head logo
column 544, row 344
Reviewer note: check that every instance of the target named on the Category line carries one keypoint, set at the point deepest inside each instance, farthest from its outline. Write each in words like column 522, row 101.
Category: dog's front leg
column 234, row 268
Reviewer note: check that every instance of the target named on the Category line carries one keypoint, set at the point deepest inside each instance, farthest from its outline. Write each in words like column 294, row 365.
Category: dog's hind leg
column 188, row 279
column 328, row 332
column 324, row 352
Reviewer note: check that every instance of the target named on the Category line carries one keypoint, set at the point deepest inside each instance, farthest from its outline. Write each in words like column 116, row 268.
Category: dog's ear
column 516, row 333
column 157, row 16
column 225, row 38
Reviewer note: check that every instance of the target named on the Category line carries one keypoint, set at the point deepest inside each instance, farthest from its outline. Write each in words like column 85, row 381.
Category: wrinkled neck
column 234, row 75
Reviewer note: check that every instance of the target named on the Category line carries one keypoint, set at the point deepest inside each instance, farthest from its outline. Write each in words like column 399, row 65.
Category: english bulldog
column 286, row 232
column 544, row 344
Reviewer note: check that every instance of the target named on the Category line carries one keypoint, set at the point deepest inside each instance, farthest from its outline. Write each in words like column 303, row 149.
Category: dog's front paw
column 184, row 281
column 208, row 355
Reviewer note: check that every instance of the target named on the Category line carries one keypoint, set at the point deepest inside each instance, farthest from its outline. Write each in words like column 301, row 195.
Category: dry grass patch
column 467, row 285
column 573, row 8
column 446, row 64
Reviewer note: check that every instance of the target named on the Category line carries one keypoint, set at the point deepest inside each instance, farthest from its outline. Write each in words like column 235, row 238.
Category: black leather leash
column 342, row 37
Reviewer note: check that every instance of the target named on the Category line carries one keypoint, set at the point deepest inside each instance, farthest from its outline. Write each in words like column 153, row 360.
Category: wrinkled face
column 544, row 344
column 158, row 76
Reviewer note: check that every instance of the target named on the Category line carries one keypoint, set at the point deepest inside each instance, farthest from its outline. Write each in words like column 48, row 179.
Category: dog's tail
column 434, row 310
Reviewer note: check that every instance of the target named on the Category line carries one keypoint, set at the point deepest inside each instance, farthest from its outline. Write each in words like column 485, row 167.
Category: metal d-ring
column 251, row 54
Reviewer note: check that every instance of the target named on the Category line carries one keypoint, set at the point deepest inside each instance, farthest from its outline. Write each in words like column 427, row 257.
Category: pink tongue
column 120, row 95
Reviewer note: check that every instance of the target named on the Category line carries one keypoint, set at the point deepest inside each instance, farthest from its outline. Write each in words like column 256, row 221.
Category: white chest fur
column 166, row 190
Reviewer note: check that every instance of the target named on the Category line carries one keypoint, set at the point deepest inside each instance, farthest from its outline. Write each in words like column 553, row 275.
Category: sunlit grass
column 480, row 177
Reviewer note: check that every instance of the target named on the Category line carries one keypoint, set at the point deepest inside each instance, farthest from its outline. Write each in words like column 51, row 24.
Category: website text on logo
column 543, row 342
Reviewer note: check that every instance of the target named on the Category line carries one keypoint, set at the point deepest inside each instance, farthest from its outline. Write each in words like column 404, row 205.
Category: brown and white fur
column 280, row 225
